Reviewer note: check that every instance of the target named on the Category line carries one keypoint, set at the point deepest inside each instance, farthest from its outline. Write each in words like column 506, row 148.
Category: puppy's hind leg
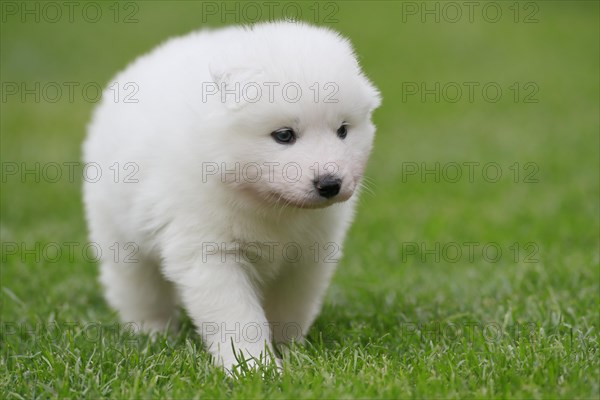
column 140, row 293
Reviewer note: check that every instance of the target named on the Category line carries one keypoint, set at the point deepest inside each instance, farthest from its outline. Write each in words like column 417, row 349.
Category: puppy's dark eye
column 284, row 136
column 342, row 131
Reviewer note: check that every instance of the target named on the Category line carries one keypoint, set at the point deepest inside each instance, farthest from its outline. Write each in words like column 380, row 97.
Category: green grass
column 396, row 323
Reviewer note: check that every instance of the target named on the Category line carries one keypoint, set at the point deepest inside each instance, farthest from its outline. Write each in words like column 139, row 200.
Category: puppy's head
column 299, row 112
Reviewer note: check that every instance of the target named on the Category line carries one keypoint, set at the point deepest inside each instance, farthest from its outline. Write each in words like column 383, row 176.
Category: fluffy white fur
column 214, row 242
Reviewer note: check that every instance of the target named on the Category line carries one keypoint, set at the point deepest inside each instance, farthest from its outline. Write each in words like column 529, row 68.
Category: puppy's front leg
column 223, row 303
column 293, row 301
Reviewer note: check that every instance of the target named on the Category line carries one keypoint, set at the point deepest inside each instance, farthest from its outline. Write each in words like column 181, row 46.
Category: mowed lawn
column 472, row 270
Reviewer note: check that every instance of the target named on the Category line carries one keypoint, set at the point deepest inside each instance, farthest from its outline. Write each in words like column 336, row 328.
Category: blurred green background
column 544, row 56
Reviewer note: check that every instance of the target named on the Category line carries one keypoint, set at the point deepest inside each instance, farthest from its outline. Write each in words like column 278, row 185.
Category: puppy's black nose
column 328, row 186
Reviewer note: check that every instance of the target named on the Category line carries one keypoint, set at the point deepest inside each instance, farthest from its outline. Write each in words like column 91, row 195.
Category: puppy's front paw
column 243, row 363
column 157, row 327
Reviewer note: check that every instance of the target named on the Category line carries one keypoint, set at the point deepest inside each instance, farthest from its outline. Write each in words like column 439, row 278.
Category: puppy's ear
column 237, row 86
column 373, row 95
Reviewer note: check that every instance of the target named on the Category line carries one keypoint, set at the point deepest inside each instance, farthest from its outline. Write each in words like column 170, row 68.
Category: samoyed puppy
column 227, row 174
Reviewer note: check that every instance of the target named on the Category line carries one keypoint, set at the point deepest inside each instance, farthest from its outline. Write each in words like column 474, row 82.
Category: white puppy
column 230, row 164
